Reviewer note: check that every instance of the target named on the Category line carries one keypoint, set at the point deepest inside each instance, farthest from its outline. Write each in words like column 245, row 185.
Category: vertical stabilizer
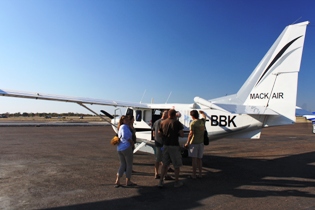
column 273, row 83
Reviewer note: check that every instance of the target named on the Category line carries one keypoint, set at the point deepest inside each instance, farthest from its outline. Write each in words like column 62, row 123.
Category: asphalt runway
column 74, row 167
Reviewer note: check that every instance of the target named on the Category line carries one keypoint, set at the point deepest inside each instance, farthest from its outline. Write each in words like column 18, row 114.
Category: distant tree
column 17, row 114
column 70, row 114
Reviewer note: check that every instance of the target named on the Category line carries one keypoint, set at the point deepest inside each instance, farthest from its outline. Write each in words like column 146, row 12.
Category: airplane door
column 142, row 120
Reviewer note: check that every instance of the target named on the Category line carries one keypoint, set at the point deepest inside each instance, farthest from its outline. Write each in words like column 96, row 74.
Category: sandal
column 168, row 177
column 131, row 185
column 117, row 185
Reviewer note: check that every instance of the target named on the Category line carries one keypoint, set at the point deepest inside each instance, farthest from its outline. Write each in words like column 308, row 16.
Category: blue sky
column 120, row 49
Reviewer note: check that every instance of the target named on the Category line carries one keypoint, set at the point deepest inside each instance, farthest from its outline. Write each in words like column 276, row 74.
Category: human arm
column 190, row 135
column 125, row 134
column 153, row 134
column 203, row 114
column 181, row 133
column 153, row 130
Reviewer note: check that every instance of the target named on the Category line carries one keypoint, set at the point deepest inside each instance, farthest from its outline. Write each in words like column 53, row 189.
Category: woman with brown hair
column 124, row 149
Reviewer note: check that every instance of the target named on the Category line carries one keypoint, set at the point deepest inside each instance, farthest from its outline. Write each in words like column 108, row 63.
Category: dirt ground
column 74, row 167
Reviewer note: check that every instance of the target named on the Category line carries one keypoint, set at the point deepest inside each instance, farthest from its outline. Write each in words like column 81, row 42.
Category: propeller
column 107, row 114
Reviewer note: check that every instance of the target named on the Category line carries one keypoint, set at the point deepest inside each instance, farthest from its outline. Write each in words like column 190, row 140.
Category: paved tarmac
column 74, row 167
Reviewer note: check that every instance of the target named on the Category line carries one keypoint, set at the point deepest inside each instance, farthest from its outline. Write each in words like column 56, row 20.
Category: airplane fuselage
column 219, row 124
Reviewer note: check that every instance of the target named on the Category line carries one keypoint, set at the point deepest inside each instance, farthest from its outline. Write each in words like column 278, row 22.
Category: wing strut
column 97, row 114
column 138, row 147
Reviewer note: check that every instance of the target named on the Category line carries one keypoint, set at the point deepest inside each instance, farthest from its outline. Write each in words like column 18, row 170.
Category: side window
column 138, row 115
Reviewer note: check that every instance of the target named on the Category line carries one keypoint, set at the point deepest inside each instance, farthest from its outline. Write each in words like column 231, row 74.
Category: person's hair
column 164, row 114
column 172, row 113
column 121, row 121
column 194, row 113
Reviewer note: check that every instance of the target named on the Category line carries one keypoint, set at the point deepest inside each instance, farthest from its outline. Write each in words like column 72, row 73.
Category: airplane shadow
column 238, row 177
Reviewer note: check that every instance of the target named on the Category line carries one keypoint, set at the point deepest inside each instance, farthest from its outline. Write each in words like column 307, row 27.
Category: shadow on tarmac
column 238, row 177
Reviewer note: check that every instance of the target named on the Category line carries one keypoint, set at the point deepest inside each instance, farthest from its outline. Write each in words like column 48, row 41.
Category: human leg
column 165, row 163
column 194, row 166
column 199, row 159
column 156, row 169
column 117, row 182
column 176, row 172
column 177, row 182
column 176, row 159
column 129, row 161
column 193, row 152
column 199, row 165
column 158, row 160
column 121, row 167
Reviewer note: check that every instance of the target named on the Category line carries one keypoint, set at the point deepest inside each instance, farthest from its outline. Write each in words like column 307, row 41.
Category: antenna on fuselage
column 142, row 96
column 168, row 97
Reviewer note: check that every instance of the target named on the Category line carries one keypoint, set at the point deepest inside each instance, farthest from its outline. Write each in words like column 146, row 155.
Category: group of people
column 166, row 133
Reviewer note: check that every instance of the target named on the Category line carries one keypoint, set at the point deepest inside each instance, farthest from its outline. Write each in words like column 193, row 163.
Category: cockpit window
column 129, row 112
column 138, row 115
column 157, row 112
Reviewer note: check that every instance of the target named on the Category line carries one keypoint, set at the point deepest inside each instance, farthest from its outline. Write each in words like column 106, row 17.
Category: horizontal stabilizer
column 243, row 109
column 207, row 103
column 235, row 108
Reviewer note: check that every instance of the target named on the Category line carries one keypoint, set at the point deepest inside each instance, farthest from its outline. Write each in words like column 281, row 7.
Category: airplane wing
column 79, row 100
column 300, row 112
column 303, row 113
column 310, row 117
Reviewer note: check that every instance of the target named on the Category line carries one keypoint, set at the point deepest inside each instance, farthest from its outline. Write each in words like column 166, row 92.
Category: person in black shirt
column 171, row 129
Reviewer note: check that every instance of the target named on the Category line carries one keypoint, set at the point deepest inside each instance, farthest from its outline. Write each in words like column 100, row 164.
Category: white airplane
column 306, row 114
column 267, row 98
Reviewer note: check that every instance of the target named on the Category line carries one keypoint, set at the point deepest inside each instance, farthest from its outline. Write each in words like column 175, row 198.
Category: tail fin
column 273, row 83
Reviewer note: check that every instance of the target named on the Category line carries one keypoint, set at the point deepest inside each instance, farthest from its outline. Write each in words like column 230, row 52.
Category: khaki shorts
column 172, row 154
column 196, row 150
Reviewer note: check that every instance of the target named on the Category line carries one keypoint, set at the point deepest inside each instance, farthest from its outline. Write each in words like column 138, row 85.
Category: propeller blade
column 107, row 114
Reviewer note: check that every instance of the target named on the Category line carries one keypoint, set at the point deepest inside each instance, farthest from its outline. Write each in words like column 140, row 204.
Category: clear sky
column 121, row 49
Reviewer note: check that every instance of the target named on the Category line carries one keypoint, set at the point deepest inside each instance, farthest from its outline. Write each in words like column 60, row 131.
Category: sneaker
column 178, row 184
column 161, row 183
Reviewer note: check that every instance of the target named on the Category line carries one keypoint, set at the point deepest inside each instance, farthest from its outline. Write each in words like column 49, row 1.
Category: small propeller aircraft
column 307, row 115
column 267, row 98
